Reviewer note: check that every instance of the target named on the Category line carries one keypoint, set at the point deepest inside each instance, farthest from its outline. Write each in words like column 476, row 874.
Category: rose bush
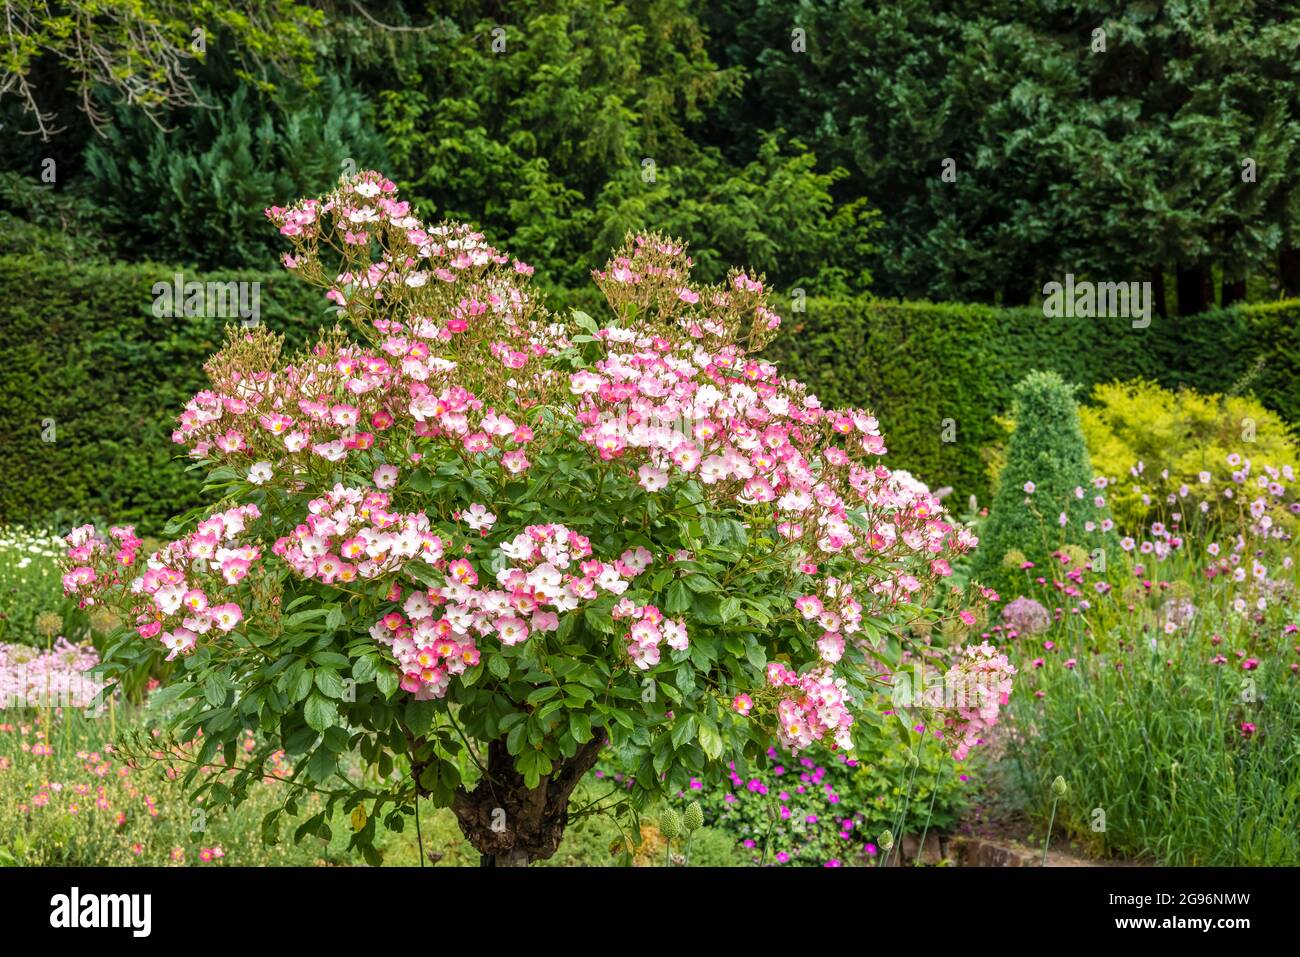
column 465, row 543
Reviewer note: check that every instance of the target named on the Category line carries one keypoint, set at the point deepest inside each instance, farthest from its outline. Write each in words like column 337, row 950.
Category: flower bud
column 670, row 824
column 693, row 819
column 1059, row 787
column 886, row 840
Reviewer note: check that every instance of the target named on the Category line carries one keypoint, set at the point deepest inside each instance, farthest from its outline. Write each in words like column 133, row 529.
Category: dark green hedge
column 917, row 364
column 82, row 347
column 1254, row 349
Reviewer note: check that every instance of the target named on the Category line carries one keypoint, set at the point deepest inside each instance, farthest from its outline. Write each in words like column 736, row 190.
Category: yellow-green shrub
column 1185, row 432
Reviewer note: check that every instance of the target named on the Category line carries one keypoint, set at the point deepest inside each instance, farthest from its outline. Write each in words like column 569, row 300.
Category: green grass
column 586, row 842
column 31, row 585
column 67, row 799
column 1153, row 740
column 82, row 805
column 1179, row 736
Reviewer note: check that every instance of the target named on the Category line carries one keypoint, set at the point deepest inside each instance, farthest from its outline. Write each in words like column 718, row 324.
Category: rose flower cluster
column 446, row 390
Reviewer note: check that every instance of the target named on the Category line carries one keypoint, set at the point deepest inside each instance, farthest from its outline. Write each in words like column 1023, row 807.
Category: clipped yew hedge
column 81, row 347
column 83, row 351
column 934, row 372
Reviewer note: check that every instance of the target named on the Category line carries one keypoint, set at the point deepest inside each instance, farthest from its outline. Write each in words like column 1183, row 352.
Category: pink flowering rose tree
column 464, row 545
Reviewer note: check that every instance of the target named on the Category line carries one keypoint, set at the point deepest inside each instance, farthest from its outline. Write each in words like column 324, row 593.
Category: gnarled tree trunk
column 512, row 825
